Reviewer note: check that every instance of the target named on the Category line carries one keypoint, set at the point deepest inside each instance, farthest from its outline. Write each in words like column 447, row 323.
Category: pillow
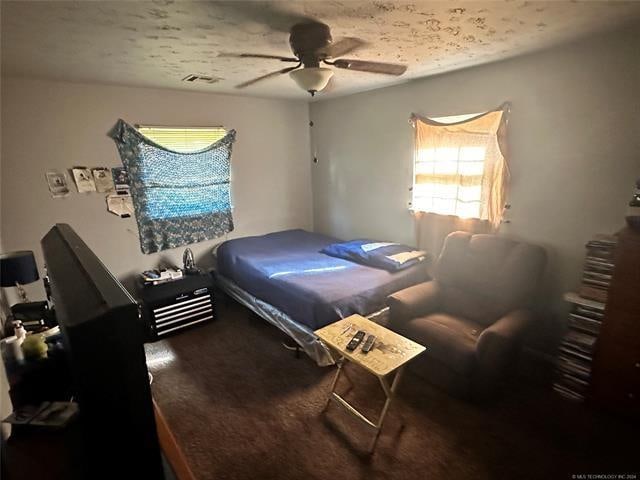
column 385, row 255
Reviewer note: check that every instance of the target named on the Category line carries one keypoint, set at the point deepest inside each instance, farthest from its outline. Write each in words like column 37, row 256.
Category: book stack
column 598, row 268
column 575, row 358
column 573, row 367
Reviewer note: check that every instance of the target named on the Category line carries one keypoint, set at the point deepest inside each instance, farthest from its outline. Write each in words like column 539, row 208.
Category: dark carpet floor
column 242, row 407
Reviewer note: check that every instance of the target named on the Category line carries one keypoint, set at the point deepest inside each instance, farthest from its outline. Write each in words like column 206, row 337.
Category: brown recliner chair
column 474, row 314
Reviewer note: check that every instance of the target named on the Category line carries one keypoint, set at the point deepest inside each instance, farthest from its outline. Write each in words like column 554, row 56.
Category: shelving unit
column 616, row 372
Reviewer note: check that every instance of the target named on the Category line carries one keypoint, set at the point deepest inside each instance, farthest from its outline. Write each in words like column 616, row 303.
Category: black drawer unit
column 171, row 307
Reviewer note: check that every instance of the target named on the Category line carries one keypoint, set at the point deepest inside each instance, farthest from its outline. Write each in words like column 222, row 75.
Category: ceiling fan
column 312, row 45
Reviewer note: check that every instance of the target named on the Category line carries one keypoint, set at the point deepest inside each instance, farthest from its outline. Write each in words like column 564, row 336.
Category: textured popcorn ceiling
column 158, row 43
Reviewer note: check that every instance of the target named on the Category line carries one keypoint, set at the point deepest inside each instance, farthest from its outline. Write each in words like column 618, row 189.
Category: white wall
column 574, row 138
column 52, row 125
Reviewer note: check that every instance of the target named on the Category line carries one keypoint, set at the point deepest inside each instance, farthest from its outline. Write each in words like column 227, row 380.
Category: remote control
column 355, row 341
column 368, row 344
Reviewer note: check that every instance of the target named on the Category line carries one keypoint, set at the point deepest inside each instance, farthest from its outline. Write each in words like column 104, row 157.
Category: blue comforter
column 287, row 270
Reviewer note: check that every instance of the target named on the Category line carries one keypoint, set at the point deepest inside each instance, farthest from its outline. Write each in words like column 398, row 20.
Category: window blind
column 183, row 139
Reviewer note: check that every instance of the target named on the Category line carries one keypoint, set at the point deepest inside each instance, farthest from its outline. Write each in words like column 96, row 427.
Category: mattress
column 287, row 270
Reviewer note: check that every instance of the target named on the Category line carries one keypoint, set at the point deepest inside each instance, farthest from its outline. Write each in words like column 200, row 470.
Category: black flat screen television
column 103, row 336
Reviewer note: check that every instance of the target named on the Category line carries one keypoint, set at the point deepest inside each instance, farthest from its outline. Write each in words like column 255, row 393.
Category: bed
column 284, row 278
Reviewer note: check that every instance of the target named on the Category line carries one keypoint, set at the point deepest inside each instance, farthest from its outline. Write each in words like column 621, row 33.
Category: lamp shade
column 18, row 267
column 312, row 79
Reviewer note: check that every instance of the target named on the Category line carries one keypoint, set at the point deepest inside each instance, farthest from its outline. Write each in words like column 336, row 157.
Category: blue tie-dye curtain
column 179, row 198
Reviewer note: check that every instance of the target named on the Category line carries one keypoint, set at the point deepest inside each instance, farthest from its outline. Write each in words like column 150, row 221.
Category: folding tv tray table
column 390, row 353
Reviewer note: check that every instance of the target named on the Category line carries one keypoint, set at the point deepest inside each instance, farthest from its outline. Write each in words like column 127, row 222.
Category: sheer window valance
column 460, row 168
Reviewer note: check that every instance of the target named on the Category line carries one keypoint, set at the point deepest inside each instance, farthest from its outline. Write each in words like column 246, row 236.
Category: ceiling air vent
column 194, row 78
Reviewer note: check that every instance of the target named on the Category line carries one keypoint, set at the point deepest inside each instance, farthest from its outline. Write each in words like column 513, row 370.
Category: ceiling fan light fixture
column 312, row 79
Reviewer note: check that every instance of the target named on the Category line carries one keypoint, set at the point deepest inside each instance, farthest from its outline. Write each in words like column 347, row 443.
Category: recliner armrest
column 414, row 301
column 498, row 342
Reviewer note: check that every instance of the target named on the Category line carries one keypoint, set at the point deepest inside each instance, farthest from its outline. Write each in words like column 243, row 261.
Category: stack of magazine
column 573, row 367
column 598, row 268
column 47, row 414
column 575, row 357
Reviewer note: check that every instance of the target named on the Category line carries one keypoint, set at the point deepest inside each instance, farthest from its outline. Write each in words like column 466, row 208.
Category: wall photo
column 84, row 179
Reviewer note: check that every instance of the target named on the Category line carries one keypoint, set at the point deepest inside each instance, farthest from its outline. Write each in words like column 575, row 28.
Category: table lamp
column 17, row 269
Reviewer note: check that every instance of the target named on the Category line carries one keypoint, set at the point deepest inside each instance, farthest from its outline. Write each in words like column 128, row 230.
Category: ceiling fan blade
column 268, row 75
column 258, row 55
column 342, row 47
column 372, row 67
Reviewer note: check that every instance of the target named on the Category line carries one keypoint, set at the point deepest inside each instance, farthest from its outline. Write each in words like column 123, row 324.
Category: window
column 458, row 166
column 448, row 180
column 183, row 139
column 162, row 202
column 180, row 181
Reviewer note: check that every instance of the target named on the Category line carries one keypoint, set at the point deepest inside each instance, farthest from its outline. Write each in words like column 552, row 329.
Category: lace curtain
column 460, row 176
column 179, row 198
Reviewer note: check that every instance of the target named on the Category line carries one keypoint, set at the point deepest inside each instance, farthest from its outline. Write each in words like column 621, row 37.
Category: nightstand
column 171, row 307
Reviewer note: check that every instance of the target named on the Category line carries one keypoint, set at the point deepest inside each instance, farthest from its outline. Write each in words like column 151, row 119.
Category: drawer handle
column 637, row 365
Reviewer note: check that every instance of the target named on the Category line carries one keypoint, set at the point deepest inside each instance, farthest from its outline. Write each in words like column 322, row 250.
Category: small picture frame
column 57, row 182
column 103, row 180
column 120, row 179
column 84, row 179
